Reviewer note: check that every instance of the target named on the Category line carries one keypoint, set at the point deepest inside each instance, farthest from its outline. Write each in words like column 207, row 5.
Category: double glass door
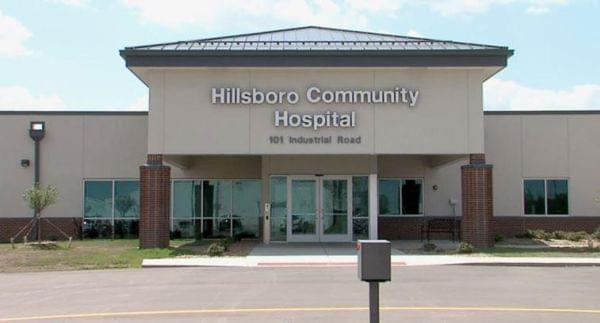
column 319, row 209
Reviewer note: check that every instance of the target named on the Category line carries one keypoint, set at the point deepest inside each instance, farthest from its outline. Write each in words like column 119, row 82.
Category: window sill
column 546, row 215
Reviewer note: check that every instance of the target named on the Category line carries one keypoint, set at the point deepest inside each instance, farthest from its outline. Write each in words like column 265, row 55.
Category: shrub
column 216, row 249
column 227, row 242
column 498, row 238
column 540, row 234
column 576, row 236
column 176, row 234
column 428, row 246
column 465, row 247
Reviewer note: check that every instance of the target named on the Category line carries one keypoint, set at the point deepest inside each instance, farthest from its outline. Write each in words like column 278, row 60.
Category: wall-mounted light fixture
column 37, row 130
column 435, row 187
column 24, row 163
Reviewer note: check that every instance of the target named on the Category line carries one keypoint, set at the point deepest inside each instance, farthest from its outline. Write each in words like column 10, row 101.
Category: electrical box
column 374, row 260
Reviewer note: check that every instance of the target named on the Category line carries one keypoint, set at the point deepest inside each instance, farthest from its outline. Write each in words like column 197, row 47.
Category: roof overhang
column 317, row 58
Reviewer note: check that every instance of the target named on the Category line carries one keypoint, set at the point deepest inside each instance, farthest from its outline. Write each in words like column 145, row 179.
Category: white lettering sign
column 315, row 95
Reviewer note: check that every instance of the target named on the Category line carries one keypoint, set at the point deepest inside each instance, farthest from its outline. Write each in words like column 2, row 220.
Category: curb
column 529, row 264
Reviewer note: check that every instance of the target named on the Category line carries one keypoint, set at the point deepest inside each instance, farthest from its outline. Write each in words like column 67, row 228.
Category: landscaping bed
column 102, row 254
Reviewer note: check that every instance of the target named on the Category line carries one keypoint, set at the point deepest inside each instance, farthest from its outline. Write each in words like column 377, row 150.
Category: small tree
column 38, row 198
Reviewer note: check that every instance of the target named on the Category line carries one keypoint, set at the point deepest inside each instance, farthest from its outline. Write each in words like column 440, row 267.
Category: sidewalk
column 344, row 255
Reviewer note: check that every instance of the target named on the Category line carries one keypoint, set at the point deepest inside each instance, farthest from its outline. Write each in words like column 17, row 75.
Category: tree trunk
column 39, row 228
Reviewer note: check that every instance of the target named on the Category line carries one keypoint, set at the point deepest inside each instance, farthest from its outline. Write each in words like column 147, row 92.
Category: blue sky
column 63, row 54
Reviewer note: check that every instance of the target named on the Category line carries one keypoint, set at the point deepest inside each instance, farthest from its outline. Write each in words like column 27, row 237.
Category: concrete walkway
column 344, row 254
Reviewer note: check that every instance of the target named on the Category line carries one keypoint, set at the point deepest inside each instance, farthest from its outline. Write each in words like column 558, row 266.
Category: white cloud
column 471, row 7
column 212, row 14
column 509, row 95
column 18, row 97
column 12, row 37
column 74, row 3
column 413, row 33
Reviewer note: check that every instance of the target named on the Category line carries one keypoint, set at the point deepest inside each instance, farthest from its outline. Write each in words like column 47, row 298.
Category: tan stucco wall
column 447, row 119
column 544, row 146
column 75, row 147
column 83, row 146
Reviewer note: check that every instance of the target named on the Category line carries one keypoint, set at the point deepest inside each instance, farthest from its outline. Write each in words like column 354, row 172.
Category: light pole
column 37, row 130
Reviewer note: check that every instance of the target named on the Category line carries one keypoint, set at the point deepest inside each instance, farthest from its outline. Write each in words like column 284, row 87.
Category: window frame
column 112, row 217
column 546, row 179
column 201, row 218
column 401, row 179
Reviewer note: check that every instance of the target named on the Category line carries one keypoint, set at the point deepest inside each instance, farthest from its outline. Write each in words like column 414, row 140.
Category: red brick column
column 155, row 188
column 477, row 202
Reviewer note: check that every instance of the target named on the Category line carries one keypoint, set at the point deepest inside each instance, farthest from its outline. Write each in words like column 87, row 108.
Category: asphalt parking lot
column 416, row 294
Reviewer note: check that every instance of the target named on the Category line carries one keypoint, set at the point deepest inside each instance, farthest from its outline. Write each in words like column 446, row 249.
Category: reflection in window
column 111, row 213
column 389, row 197
column 246, row 208
column 127, row 199
column 558, row 196
column 216, row 208
column 98, row 199
column 183, row 199
column 546, row 196
column 278, row 193
column 412, row 196
column 401, row 197
column 360, row 207
column 360, row 196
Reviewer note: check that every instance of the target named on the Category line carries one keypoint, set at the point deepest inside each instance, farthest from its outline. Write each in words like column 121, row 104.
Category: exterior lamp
column 37, row 130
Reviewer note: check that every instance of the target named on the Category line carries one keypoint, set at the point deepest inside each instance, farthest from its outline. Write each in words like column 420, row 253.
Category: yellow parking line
column 301, row 309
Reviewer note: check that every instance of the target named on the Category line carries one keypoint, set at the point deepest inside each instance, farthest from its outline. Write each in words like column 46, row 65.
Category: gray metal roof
column 313, row 38
column 315, row 47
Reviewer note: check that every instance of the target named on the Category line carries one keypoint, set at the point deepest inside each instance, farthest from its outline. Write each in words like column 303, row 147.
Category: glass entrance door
column 319, row 209
column 334, row 212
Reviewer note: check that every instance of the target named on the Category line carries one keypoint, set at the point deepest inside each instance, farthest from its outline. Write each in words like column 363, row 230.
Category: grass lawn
column 101, row 254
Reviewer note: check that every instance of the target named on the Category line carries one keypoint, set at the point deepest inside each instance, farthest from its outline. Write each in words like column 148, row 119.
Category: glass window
column 217, row 199
column 97, row 199
column 360, row 207
column 534, row 196
column 100, row 229
column 360, row 196
column 246, row 208
column 389, row 197
column 303, row 194
column 278, row 193
column 360, row 228
column 127, row 199
column 126, row 229
column 183, row 229
column 558, row 196
column 412, row 196
column 183, row 199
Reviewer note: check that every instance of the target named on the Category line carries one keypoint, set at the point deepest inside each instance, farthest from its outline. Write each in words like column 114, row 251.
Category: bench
column 446, row 225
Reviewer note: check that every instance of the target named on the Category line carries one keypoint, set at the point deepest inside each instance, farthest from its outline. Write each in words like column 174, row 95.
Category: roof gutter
column 316, row 58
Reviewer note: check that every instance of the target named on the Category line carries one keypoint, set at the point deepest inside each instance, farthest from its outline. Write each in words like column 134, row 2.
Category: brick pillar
column 477, row 202
column 155, row 183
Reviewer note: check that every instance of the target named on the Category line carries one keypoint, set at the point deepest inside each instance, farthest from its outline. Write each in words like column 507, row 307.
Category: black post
column 37, row 130
column 36, row 163
column 374, row 302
